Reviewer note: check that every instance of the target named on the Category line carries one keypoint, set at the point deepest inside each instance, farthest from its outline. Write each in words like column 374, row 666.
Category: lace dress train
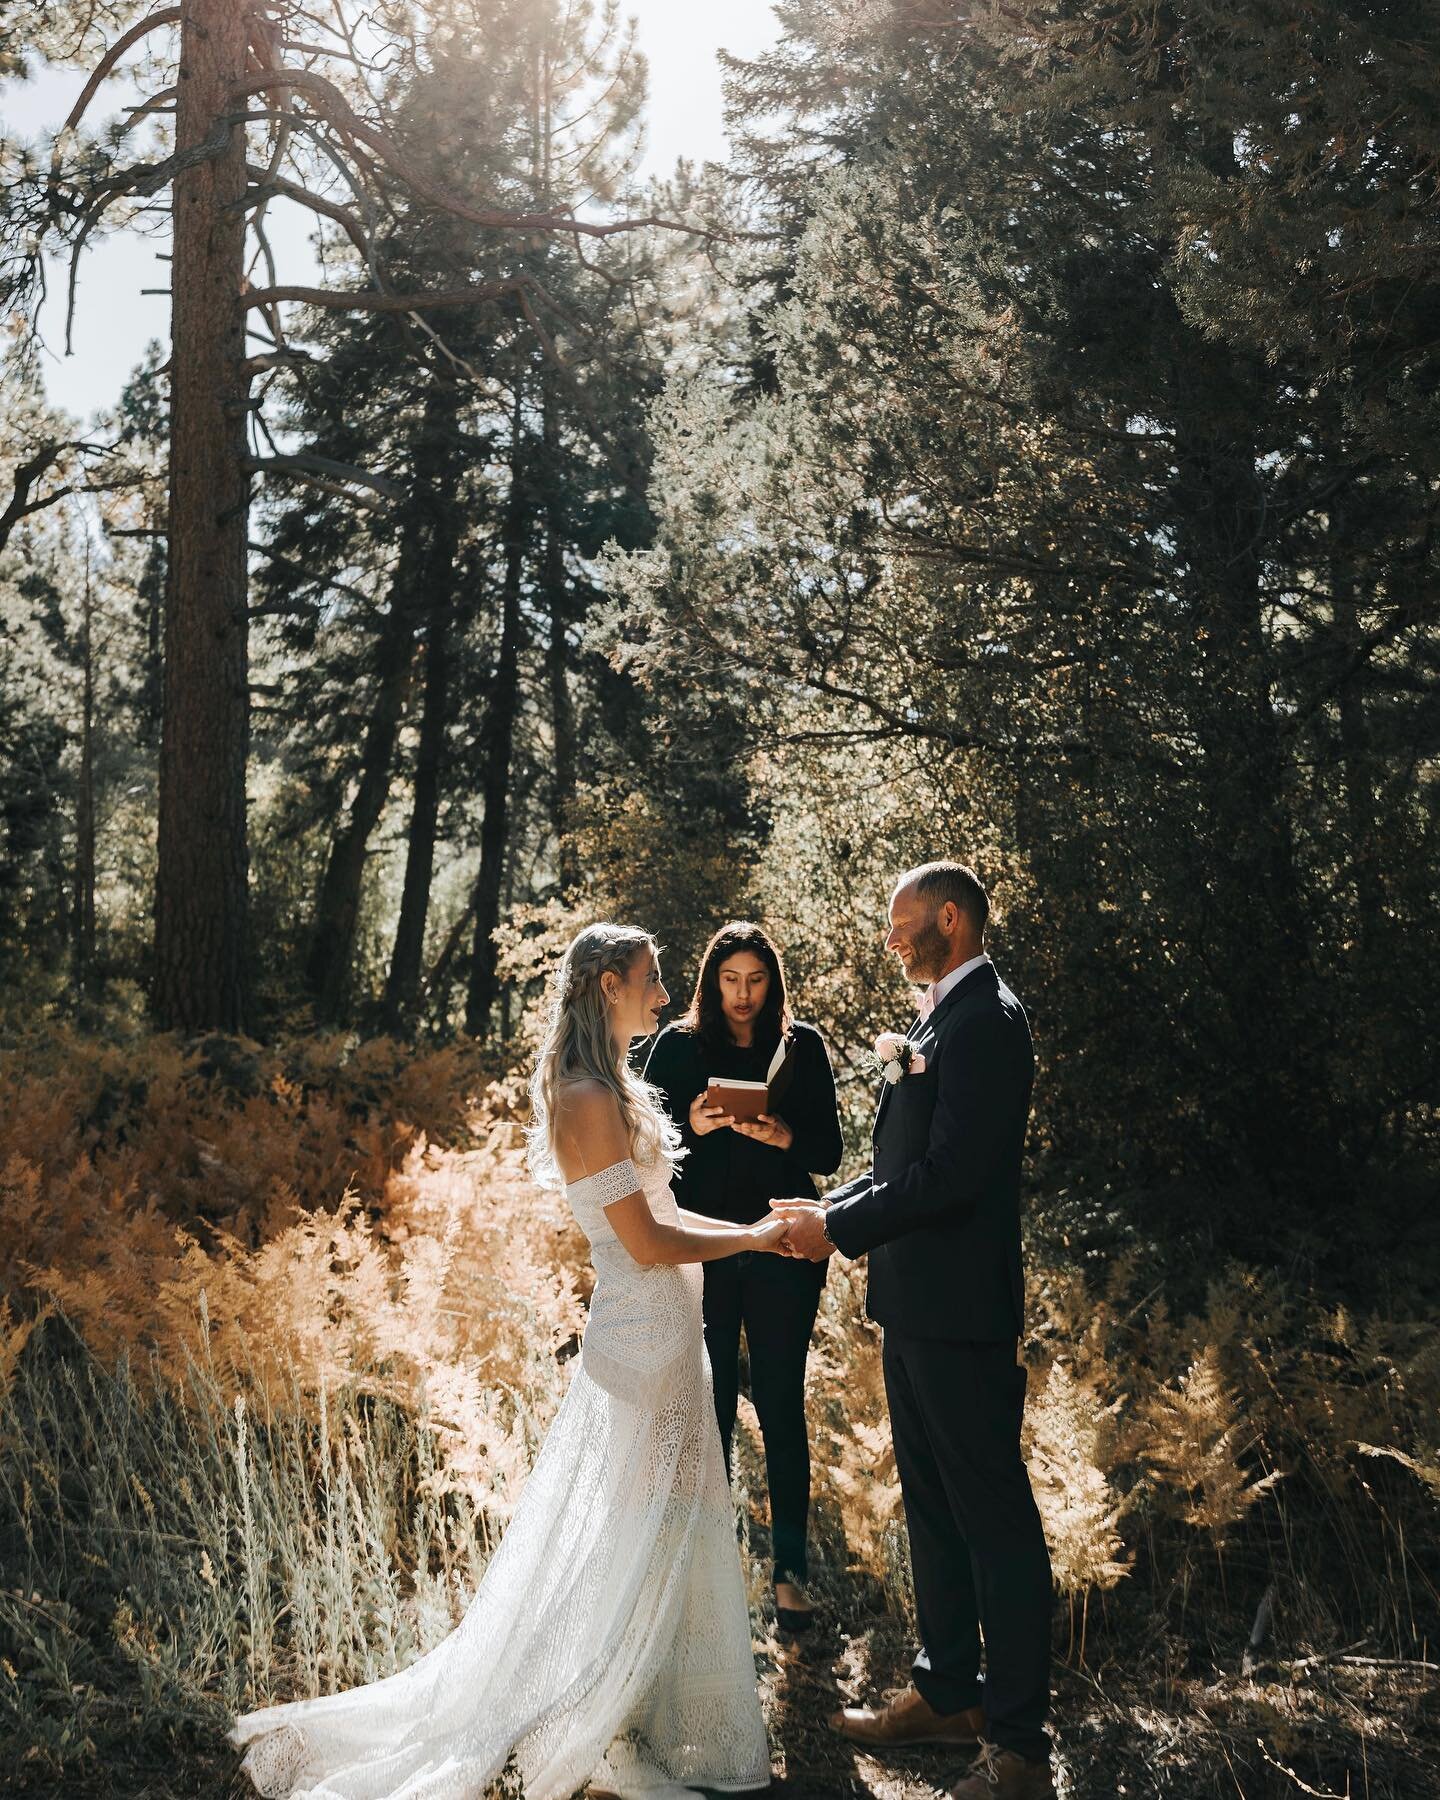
column 609, row 1639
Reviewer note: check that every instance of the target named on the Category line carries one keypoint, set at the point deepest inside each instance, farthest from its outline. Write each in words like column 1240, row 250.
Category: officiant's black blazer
column 939, row 1209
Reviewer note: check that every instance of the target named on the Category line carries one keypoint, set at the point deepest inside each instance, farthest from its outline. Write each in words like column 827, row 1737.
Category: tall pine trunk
column 85, row 807
column 1356, row 746
column 421, row 556
column 402, row 987
column 337, row 908
column 203, row 867
column 499, row 742
column 1258, row 932
column 557, row 657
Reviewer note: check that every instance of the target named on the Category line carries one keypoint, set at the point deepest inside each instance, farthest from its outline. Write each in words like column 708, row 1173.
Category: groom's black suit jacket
column 939, row 1209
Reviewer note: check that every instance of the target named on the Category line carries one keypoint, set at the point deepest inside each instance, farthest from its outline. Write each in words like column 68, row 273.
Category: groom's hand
column 806, row 1236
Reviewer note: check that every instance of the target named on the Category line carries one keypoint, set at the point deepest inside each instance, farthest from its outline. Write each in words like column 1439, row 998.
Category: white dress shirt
column 937, row 990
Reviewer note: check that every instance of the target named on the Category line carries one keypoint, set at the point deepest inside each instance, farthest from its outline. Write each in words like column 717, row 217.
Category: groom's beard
column 930, row 951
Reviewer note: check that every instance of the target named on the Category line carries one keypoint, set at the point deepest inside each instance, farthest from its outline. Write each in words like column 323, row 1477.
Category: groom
column 939, row 1215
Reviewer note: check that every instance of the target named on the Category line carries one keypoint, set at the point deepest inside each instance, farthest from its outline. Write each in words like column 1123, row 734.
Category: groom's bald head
column 938, row 913
column 935, row 883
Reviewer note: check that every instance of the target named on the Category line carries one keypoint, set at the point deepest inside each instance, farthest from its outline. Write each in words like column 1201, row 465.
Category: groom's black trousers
column 977, row 1549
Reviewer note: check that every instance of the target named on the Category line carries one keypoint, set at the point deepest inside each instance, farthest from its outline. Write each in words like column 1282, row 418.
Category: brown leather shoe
column 908, row 1719
column 999, row 1774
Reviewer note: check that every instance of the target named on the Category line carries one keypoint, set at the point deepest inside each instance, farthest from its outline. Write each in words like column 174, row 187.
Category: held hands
column 805, row 1234
column 769, row 1234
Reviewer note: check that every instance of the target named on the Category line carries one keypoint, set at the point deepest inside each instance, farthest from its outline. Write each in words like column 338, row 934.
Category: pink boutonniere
column 897, row 1057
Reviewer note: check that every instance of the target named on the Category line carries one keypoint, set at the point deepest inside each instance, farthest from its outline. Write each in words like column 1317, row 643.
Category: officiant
column 737, row 1020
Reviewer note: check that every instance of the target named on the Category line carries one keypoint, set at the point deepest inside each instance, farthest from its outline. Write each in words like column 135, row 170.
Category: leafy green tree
column 1031, row 512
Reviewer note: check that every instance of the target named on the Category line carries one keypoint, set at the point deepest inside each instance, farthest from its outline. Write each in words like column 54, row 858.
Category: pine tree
column 227, row 56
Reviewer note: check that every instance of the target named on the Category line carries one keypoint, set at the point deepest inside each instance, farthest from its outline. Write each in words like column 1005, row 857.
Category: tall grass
column 275, row 1360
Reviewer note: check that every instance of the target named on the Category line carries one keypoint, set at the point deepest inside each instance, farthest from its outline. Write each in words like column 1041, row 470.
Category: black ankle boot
column 791, row 1618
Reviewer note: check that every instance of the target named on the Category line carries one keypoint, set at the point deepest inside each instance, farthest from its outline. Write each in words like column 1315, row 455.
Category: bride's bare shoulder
column 590, row 1133
column 586, row 1105
column 583, row 1091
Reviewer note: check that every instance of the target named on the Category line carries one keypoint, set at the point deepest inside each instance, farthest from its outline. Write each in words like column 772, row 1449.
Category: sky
column 114, row 317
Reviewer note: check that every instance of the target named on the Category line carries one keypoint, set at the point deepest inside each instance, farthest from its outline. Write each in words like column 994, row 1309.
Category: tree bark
column 337, row 907
column 1243, row 853
column 1356, row 748
column 402, row 987
column 557, row 650
column 203, row 868
column 85, row 808
column 499, row 741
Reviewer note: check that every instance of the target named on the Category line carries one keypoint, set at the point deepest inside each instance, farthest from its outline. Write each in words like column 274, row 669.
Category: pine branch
column 23, row 481
column 141, row 178
column 298, row 570
column 332, row 105
column 305, row 463
column 367, row 300
column 269, row 185
column 169, row 15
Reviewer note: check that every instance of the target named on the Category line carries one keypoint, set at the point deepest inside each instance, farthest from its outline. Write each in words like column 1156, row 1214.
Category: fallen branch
column 1365, row 1662
column 1304, row 1786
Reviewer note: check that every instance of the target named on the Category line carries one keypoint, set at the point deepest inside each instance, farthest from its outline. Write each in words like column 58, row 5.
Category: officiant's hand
column 767, row 1128
column 806, row 1236
column 706, row 1118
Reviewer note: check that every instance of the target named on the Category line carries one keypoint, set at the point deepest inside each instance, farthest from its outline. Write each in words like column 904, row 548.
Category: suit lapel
column 922, row 1031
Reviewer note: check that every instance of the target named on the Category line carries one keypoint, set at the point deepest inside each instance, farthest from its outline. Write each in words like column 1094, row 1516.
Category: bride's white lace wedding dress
column 609, row 1640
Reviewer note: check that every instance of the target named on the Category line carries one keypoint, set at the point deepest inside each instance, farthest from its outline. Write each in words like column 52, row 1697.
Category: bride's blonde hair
column 579, row 1046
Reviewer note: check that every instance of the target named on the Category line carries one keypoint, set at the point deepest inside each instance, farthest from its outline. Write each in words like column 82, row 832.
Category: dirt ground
column 1351, row 1729
column 1157, row 1710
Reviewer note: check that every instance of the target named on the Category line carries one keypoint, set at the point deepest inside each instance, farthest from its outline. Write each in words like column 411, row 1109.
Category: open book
column 748, row 1099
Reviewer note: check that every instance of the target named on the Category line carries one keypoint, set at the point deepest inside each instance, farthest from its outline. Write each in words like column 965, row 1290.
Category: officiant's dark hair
column 937, row 882
column 706, row 1017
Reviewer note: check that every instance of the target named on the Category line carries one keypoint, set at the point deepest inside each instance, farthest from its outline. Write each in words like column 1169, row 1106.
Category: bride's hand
column 769, row 1234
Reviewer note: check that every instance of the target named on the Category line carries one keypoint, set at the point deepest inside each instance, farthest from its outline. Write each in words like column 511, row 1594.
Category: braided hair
column 579, row 1045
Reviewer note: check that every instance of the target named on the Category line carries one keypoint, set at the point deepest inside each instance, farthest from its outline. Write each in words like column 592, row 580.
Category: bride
column 609, row 1640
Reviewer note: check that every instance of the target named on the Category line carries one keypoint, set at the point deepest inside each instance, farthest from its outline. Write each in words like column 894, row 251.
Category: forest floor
column 1342, row 1729
column 1147, row 1714
column 1150, row 1714
column 1338, row 1731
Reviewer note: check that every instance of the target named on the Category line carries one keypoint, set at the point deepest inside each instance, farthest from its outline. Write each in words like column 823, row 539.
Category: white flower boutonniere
column 897, row 1057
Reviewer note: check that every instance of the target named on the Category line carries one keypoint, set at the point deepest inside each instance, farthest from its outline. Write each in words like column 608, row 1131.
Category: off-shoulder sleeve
column 605, row 1186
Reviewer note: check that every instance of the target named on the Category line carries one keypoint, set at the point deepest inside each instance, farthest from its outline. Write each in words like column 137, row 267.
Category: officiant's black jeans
column 977, row 1549
column 775, row 1298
